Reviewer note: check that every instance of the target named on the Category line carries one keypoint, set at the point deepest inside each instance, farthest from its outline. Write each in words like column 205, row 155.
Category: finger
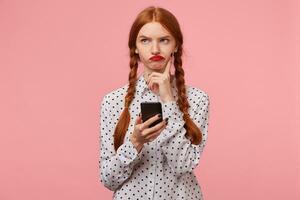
column 154, row 128
column 168, row 67
column 153, row 74
column 154, row 134
column 154, row 81
column 149, row 121
column 138, row 120
column 150, row 80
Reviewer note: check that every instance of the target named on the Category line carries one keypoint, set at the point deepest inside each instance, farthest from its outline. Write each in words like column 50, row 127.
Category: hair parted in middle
column 170, row 23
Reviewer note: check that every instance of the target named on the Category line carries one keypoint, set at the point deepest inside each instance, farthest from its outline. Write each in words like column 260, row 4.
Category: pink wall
column 58, row 58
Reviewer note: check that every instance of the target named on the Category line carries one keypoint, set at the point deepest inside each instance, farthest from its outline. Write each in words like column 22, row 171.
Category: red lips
column 156, row 58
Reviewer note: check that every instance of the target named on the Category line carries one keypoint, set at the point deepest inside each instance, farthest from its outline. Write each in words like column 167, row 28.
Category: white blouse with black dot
column 163, row 169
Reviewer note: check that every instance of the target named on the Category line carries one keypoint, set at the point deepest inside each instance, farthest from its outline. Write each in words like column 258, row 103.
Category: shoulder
column 196, row 94
column 116, row 93
column 115, row 98
column 198, row 100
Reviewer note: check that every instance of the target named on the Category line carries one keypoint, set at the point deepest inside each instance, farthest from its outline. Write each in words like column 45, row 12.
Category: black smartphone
column 149, row 109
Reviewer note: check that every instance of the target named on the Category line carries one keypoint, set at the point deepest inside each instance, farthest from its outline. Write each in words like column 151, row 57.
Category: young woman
column 138, row 162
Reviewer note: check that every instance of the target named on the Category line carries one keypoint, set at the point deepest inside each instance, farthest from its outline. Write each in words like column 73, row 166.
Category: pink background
column 58, row 58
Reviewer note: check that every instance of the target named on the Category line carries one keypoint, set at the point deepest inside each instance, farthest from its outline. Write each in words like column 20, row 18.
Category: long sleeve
column 116, row 167
column 183, row 156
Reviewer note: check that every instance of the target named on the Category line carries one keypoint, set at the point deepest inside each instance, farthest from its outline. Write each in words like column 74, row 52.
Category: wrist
column 136, row 144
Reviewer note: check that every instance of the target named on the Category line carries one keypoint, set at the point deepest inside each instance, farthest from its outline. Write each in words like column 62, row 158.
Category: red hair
column 169, row 22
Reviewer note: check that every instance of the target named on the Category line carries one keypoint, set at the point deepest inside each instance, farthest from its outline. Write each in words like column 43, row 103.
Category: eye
column 165, row 40
column 142, row 40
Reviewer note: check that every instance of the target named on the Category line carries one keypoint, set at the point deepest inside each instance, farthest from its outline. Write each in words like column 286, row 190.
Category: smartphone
column 149, row 109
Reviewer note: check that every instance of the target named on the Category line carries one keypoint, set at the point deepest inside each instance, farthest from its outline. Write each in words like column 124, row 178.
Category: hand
column 142, row 134
column 160, row 82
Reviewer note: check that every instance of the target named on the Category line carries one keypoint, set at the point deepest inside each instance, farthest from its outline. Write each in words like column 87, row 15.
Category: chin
column 157, row 68
column 159, row 64
column 160, row 70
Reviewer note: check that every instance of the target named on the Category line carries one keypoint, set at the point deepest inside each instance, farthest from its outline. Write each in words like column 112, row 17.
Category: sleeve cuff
column 128, row 154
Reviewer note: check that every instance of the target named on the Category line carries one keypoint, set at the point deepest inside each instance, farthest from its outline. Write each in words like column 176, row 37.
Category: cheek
column 143, row 57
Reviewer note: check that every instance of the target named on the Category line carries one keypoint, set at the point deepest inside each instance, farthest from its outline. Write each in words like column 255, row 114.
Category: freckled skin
column 153, row 45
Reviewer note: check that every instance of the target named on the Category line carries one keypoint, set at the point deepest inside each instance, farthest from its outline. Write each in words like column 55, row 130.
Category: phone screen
column 149, row 109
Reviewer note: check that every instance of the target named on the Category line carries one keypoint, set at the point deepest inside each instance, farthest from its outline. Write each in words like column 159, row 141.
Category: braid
column 169, row 21
column 124, row 120
column 192, row 130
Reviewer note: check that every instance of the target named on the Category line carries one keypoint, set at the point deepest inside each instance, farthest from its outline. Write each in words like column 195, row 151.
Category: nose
column 155, row 48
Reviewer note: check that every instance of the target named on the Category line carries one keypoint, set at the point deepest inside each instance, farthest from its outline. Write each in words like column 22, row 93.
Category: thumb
column 139, row 120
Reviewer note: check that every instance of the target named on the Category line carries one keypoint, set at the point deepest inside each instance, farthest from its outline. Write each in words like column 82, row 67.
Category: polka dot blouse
column 163, row 169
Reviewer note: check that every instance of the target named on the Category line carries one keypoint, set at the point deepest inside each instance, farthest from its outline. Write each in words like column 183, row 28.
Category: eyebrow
column 166, row 36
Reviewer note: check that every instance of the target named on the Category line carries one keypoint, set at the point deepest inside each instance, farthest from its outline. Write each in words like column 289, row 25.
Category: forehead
column 153, row 29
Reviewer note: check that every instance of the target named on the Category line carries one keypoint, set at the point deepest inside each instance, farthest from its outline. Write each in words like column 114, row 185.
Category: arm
column 115, row 167
column 182, row 156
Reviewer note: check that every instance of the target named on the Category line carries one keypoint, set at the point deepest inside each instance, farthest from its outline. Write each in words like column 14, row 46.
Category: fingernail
column 159, row 115
column 167, row 120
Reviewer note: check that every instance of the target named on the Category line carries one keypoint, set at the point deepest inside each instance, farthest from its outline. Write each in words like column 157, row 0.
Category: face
column 154, row 39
